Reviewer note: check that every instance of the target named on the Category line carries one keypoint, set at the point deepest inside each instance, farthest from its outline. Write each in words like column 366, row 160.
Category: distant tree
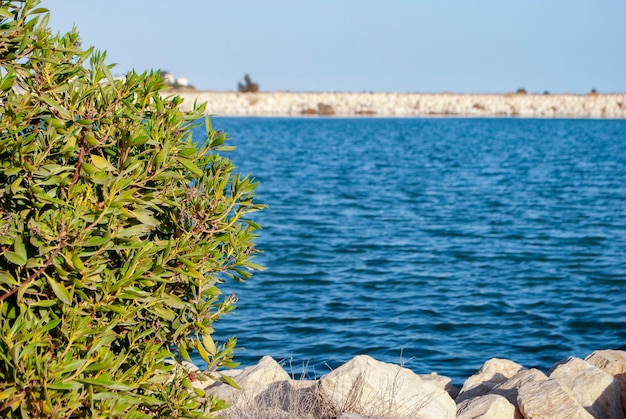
column 593, row 92
column 248, row 86
column 521, row 91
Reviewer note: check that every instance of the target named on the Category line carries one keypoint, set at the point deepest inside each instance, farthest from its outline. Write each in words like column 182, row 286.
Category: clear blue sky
column 481, row 46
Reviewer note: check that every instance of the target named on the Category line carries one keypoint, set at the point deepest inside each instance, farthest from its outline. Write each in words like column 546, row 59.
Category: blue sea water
column 436, row 243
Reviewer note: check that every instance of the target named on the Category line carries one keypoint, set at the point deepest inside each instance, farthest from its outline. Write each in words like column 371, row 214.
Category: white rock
column 509, row 388
column 369, row 387
column 492, row 372
column 253, row 381
column 443, row 382
column 595, row 390
column 614, row 363
column 546, row 399
column 490, row 406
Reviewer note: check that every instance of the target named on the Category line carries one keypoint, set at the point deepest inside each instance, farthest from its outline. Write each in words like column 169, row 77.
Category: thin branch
column 35, row 274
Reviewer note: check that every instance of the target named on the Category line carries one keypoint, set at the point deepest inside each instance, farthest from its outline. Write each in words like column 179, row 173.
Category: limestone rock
column 492, row 372
column 490, row 406
column 253, row 381
column 614, row 363
column 509, row 388
column 368, row 387
column 595, row 390
column 546, row 399
column 442, row 382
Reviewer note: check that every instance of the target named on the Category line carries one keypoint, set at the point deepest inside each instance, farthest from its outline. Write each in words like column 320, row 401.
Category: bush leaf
column 60, row 291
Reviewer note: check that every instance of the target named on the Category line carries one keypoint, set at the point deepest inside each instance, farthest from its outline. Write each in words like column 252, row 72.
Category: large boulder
column 595, row 390
column 614, row 363
column 501, row 401
column 509, row 388
column 266, row 390
column 442, row 382
column 547, row 399
column 252, row 381
column 368, row 387
column 490, row 406
column 492, row 373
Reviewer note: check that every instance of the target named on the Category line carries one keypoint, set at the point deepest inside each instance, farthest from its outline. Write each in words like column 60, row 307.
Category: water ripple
column 439, row 243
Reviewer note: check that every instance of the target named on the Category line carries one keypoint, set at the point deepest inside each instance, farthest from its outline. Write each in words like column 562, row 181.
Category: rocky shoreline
column 365, row 388
column 406, row 104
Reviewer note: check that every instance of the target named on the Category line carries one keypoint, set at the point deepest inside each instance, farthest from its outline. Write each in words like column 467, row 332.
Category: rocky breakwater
column 365, row 388
column 407, row 104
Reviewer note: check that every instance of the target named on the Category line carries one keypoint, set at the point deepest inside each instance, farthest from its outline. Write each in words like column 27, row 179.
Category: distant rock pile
column 409, row 104
column 365, row 388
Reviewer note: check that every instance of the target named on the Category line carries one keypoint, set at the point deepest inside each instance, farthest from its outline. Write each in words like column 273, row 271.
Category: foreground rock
column 492, row 373
column 547, row 399
column 369, row 387
column 489, row 406
column 365, row 388
column 595, row 390
column 268, row 391
column 614, row 363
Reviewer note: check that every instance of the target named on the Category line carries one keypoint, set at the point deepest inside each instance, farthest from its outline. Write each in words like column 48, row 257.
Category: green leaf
column 101, row 163
column 107, row 383
column 145, row 217
column 231, row 364
column 60, row 291
column 5, row 13
column 202, row 352
column 65, row 386
column 131, row 231
column 44, row 303
column 117, row 309
column 173, row 301
column 96, row 241
column 7, row 278
column 166, row 314
column 63, row 113
column 182, row 350
column 255, row 266
column 209, row 343
column 38, row 11
column 15, row 258
column 227, row 380
column 190, row 166
column 7, row 82
column 16, row 187
column 109, row 76
column 73, row 365
column 50, row 325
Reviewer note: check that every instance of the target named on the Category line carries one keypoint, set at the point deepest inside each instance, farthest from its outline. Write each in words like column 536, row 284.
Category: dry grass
column 280, row 400
column 381, row 403
column 301, row 398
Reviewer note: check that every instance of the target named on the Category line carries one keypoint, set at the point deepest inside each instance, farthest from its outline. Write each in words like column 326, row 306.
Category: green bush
column 115, row 232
